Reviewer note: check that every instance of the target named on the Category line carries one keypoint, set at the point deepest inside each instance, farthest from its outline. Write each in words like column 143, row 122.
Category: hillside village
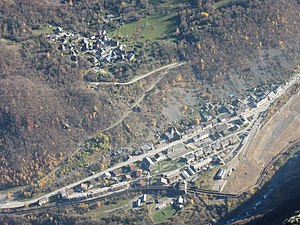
column 98, row 50
column 208, row 146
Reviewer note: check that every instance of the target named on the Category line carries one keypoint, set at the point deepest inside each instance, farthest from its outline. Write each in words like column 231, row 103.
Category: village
column 97, row 49
column 182, row 156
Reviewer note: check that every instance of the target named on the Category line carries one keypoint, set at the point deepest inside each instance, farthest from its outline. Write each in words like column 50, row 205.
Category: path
column 169, row 66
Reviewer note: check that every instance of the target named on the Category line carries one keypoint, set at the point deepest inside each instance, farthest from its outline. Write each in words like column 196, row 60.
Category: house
column 271, row 95
column 131, row 167
column 195, row 139
column 179, row 201
column 163, row 181
column 261, row 101
column 221, row 127
column 142, row 182
column 218, row 135
column 203, row 135
column 63, row 194
column 215, row 121
column 200, row 164
column 58, row 30
column 190, row 171
column 217, row 160
column 144, row 197
column 223, row 117
column 222, row 109
column 139, row 203
column 148, row 164
column 119, row 186
column 172, row 134
column 43, row 201
column 220, row 174
column 225, row 143
column 179, row 150
column 216, row 146
column 172, row 180
column 189, row 158
column 172, row 174
column 233, row 139
column 147, row 147
column 115, row 173
column 184, row 175
column 207, row 150
column 238, row 122
column 83, row 187
column 199, row 154
column 128, row 177
column 105, row 175
column 138, row 173
column 208, row 124
column 159, row 156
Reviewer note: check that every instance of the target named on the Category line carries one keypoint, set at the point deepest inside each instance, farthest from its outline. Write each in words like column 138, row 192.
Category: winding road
column 169, row 66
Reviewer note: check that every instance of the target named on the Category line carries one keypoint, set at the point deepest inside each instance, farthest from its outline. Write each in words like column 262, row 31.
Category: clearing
column 150, row 28
column 283, row 128
column 163, row 215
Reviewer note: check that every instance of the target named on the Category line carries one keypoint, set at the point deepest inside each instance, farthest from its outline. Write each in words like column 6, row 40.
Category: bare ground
column 270, row 140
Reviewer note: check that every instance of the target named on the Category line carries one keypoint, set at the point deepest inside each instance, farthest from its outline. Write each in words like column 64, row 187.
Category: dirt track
column 270, row 140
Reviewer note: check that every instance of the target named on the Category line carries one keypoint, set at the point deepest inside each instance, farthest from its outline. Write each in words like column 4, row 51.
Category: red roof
column 131, row 166
column 116, row 172
column 142, row 182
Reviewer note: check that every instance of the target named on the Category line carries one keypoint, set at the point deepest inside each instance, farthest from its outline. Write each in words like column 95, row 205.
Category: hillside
column 49, row 104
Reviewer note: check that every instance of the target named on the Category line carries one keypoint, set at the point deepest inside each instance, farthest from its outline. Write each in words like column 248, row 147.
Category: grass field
column 106, row 209
column 167, row 165
column 150, row 28
column 163, row 215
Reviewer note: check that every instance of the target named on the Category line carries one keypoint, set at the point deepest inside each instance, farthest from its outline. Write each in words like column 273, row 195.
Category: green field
column 163, row 215
column 167, row 165
column 106, row 209
column 150, row 28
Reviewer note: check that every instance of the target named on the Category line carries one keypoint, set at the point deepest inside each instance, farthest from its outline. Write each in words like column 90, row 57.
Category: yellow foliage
column 178, row 78
column 153, row 123
column 205, row 14
column 281, row 44
column 202, row 64
column 102, row 166
column 191, row 202
column 197, row 120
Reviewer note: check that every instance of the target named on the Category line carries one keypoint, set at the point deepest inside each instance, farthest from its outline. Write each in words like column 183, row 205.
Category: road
column 140, row 157
column 169, row 66
column 125, row 115
column 119, row 165
column 120, row 120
